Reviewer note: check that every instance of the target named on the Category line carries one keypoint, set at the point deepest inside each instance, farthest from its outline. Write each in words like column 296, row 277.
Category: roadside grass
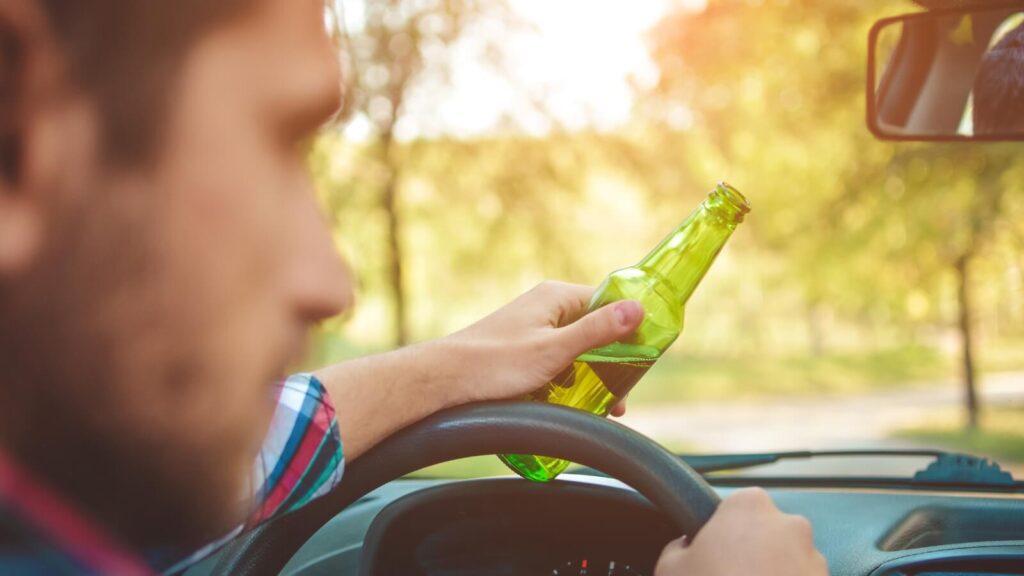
column 1000, row 437
column 475, row 467
column 679, row 378
column 1002, row 355
column 484, row 466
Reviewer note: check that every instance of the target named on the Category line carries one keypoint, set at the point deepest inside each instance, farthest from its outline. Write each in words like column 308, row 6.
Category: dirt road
column 810, row 422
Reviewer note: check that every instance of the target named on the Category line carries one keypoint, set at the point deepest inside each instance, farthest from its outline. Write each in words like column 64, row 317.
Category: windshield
column 873, row 299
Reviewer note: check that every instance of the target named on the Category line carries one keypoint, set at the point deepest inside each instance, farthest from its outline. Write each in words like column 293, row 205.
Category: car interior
column 943, row 514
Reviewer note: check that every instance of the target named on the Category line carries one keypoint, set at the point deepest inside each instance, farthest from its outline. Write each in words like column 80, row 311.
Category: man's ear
column 26, row 45
column 18, row 236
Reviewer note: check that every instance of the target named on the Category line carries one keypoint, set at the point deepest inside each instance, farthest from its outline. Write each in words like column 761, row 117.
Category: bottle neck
column 685, row 255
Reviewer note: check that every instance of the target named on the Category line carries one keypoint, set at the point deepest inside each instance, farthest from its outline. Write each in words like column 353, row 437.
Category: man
column 161, row 257
column 999, row 87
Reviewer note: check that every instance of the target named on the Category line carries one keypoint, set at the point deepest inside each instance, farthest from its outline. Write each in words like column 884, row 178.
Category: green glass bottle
column 662, row 282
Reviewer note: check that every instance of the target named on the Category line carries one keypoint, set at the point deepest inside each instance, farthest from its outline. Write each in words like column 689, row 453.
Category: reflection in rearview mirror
column 948, row 75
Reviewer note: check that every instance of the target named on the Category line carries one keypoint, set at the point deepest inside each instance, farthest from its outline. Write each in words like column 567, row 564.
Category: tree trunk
column 967, row 340
column 390, row 202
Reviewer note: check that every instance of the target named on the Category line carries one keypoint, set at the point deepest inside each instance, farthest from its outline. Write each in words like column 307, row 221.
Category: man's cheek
column 226, row 443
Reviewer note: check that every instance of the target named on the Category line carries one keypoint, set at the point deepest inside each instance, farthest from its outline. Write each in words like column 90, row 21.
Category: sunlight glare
column 577, row 65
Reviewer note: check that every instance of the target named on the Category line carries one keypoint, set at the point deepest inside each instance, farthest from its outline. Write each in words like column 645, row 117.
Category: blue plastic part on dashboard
column 964, row 469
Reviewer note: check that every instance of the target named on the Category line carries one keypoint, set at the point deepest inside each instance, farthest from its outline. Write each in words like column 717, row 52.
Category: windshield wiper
column 947, row 469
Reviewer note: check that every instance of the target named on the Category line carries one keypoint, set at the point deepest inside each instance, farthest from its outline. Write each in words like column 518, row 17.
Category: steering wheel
column 488, row 428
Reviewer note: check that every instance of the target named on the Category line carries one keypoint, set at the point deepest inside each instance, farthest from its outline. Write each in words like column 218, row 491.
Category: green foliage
column 842, row 278
column 867, row 229
column 1001, row 436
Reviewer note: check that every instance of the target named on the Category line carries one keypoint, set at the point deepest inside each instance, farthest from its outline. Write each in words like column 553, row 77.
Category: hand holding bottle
column 599, row 379
column 525, row 343
column 508, row 354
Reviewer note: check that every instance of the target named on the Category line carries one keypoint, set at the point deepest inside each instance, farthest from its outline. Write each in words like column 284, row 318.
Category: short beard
column 67, row 413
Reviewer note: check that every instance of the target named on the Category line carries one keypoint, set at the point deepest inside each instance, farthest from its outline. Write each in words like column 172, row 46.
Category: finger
column 619, row 410
column 568, row 301
column 680, row 543
column 750, row 501
column 801, row 527
column 671, row 557
column 599, row 328
column 819, row 566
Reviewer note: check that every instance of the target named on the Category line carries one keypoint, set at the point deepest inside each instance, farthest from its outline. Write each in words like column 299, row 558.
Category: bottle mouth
column 727, row 198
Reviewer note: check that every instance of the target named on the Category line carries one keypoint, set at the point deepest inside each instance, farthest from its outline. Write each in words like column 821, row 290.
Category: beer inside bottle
column 662, row 282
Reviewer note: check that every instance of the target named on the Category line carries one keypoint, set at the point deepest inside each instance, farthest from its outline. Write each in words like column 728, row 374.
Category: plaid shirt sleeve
column 301, row 458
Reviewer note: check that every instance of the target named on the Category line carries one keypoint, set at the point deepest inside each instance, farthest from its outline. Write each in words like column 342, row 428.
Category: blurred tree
column 771, row 93
column 852, row 247
column 953, row 217
column 392, row 49
column 865, row 227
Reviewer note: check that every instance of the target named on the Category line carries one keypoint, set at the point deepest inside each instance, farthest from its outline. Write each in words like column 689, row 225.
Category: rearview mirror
column 954, row 74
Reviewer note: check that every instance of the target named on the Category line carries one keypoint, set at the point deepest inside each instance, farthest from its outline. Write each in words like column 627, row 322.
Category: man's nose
column 321, row 283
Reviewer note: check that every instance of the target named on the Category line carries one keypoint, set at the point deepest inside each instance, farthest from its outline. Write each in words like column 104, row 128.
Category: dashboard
column 507, row 528
column 590, row 526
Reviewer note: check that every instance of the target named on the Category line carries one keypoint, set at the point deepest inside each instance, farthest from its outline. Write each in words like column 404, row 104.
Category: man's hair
column 124, row 55
column 999, row 86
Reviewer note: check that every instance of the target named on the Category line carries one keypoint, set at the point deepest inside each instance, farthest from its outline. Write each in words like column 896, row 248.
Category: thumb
column 600, row 327
column 672, row 558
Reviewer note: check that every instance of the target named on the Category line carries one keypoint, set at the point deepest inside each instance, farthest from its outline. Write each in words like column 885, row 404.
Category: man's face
column 164, row 299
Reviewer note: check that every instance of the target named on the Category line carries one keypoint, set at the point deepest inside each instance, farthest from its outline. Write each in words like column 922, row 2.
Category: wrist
column 453, row 362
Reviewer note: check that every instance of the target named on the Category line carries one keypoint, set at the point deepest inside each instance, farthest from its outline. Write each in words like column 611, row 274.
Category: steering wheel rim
column 481, row 429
